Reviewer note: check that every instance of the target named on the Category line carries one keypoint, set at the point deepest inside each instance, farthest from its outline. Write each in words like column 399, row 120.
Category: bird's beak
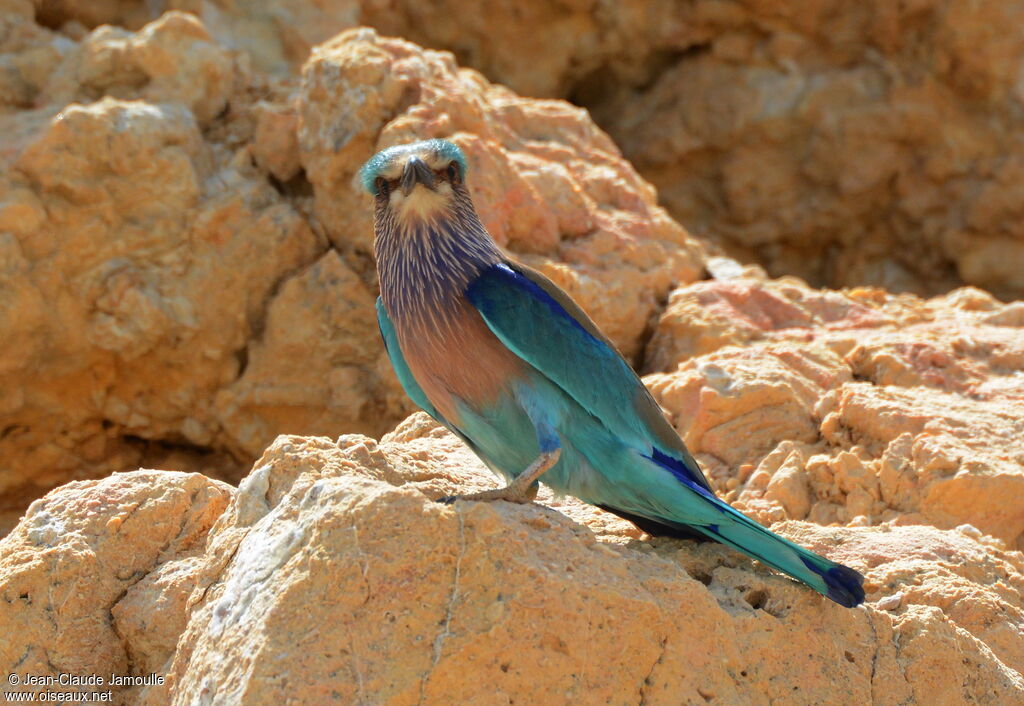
column 416, row 172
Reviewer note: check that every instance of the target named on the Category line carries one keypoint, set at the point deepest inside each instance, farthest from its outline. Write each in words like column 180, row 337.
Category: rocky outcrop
column 138, row 254
column 845, row 143
column 186, row 254
column 332, row 562
column 95, row 578
column 186, row 272
column 852, row 407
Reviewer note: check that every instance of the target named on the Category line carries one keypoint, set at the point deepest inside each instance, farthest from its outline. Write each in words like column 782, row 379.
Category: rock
column 28, row 54
column 92, row 578
column 789, row 484
column 186, row 254
column 794, row 138
column 902, row 409
column 137, row 226
column 309, row 568
column 170, row 60
column 705, row 316
column 791, row 138
column 761, row 396
column 186, row 272
column 92, row 13
column 324, row 317
column 560, row 40
column 278, row 35
column 275, row 144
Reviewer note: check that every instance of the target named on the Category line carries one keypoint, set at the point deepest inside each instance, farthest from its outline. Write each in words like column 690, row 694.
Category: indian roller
column 503, row 358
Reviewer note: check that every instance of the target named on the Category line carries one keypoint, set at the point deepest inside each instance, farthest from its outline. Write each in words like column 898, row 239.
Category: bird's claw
column 508, row 493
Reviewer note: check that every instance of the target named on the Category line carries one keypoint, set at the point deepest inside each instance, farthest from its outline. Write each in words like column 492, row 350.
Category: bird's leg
column 522, row 489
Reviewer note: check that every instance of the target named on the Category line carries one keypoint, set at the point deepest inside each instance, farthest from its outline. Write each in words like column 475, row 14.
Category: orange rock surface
column 855, row 407
column 187, row 258
column 186, row 273
column 331, row 575
column 95, row 577
column 846, row 143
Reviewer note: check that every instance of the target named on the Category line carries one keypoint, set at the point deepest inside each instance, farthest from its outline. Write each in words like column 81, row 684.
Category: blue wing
column 541, row 325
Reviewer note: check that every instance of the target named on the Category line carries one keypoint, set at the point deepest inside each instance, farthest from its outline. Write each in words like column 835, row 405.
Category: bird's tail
column 838, row 582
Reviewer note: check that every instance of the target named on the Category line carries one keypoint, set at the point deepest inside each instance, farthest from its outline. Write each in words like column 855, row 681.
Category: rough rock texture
column 185, row 255
column 847, row 143
column 94, row 578
column 186, row 272
column 852, row 407
column 311, row 570
column 136, row 258
column 863, row 143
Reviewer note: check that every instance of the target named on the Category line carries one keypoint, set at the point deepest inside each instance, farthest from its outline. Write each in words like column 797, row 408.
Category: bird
column 510, row 364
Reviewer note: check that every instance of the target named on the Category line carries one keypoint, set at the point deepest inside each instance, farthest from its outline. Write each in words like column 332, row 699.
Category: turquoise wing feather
column 541, row 325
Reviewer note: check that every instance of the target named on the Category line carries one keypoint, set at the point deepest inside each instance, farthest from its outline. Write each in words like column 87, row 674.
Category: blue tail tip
column 845, row 586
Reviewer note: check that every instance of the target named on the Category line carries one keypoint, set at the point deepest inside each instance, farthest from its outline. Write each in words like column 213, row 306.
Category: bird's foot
column 508, row 493
column 522, row 489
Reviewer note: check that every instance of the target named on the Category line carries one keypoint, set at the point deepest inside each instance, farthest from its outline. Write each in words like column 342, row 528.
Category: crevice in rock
column 364, row 566
column 590, row 90
column 453, row 597
column 188, row 457
column 703, row 576
column 298, row 187
column 56, row 14
column 756, row 599
column 364, row 264
column 159, row 558
column 257, row 324
column 11, row 429
column 168, row 444
column 650, row 328
column 242, row 357
column 49, row 15
column 126, row 647
column 218, row 578
column 646, row 682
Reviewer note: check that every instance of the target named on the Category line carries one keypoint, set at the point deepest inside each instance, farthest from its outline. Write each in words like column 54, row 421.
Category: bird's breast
column 424, row 270
column 456, row 358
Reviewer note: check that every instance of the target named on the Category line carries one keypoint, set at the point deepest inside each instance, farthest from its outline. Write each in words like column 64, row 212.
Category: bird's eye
column 453, row 173
column 383, row 188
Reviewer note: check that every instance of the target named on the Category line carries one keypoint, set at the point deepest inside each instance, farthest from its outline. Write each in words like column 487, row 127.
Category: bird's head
column 418, row 182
